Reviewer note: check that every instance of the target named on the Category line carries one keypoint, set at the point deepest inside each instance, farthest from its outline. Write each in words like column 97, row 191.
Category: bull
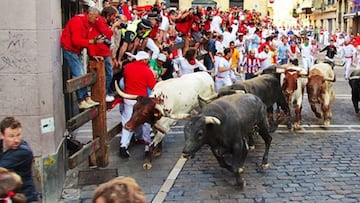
column 266, row 86
column 354, row 82
column 224, row 125
column 173, row 96
column 293, row 87
column 320, row 91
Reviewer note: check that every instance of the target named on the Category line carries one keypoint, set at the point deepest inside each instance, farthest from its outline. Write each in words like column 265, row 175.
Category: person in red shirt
column 138, row 78
column 183, row 26
column 102, row 51
column 74, row 39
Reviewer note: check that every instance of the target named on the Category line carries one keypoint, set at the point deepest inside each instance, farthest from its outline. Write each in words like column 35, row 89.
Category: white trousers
column 307, row 63
column 221, row 82
column 347, row 67
column 142, row 131
column 150, row 44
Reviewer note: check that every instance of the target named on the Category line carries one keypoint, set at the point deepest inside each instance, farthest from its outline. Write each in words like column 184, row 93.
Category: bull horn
column 354, row 77
column 280, row 69
column 161, row 110
column 160, row 128
column 123, row 94
column 179, row 116
column 208, row 99
column 331, row 80
column 240, row 91
column 212, row 120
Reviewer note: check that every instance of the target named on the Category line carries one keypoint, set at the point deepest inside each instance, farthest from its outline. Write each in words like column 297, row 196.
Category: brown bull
column 293, row 88
column 320, row 91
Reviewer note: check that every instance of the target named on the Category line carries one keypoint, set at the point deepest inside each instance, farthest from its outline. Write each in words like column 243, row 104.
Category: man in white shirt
column 306, row 54
column 348, row 52
column 265, row 57
column 223, row 71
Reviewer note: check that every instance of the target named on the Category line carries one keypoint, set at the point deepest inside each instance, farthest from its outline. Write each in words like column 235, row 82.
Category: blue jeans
column 109, row 74
column 76, row 68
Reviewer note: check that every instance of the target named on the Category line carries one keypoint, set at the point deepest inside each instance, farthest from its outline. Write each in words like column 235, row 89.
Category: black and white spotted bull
column 224, row 125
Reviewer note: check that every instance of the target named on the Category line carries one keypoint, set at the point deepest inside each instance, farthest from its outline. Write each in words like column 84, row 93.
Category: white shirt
column 185, row 67
column 305, row 51
column 348, row 51
column 215, row 24
column 265, row 59
column 225, row 64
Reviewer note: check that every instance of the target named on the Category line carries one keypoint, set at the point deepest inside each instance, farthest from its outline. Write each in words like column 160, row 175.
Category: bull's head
column 314, row 87
column 146, row 109
column 290, row 82
column 195, row 133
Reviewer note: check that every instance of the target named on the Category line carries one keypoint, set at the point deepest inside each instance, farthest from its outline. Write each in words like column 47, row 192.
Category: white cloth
column 223, row 78
column 265, row 59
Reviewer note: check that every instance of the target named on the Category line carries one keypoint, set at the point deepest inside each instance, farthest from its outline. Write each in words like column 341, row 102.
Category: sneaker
column 84, row 105
column 124, row 153
column 109, row 98
column 91, row 102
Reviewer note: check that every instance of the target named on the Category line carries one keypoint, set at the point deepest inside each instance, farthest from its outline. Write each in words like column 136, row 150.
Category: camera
column 106, row 41
column 123, row 25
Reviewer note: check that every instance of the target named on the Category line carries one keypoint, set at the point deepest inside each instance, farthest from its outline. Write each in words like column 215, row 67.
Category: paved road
column 311, row 165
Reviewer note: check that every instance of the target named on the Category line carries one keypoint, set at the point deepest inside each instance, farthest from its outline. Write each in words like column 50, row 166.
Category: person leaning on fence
column 119, row 190
column 131, row 36
column 101, row 51
column 74, row 39
column 17, row 156
column 10, row 185
column 138, row 78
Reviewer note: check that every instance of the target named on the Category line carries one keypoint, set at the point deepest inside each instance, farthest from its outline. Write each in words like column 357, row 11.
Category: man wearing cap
column 157, row 65
column 138, row 78
column 131, row 36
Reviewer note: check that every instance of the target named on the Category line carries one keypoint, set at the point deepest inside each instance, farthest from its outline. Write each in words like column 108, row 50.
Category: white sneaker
column 109, row 98
column 91, row 102
column 84, row 105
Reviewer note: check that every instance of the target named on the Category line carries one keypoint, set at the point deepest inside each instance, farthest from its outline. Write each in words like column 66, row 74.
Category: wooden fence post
column 99, row 127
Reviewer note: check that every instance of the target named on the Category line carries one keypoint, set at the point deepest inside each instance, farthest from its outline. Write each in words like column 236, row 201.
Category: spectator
column 188, row 63
column 102, row 51
column 168, row 67
column 209, row 47
column 119, row 190
column 283, row 51
column 265, row 57
column 138, row 79
column 223, row 71
column 74, row 39
column 10, row 185
column 157, row 65
column 315, row 49
column 294, row 53
column 16, row 155
column 251, row 64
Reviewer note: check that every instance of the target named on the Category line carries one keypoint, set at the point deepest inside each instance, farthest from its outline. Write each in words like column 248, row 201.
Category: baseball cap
column 141, row 55
column 161, row 57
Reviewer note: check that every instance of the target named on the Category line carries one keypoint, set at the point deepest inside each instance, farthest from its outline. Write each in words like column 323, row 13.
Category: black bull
column 354, row 82
column 224, row 125
column 268, row 88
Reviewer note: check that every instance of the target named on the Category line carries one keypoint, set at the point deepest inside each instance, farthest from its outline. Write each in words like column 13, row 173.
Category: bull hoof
column 252, row 148
column 157, row 150
column 327, row 123
column 241, row 170
column 147, row 166
column 241, row 183
column 297, row 126
column 265, row 166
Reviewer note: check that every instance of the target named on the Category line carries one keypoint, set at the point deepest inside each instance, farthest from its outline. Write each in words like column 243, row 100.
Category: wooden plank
column 80, row 82
column 114, row 131
column 83, row 153
column 82, row 118
column 99, row 125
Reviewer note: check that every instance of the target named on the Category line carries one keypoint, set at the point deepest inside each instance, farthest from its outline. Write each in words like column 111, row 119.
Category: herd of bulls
column 226, row 120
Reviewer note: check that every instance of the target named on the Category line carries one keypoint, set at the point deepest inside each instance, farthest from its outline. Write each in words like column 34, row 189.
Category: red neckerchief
column 293, row 49
column 192, row 61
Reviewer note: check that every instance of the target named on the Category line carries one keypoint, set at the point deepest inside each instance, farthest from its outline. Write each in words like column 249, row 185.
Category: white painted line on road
column 169, row 182
column 322, row 126
column 317, row 131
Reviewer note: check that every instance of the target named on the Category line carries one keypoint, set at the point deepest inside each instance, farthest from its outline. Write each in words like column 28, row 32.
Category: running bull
column 354, row 82
column 224, row 125
column 173, row 96
column 320, row 91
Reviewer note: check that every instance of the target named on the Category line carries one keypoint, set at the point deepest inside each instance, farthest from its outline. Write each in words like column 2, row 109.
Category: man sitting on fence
column 74, row 39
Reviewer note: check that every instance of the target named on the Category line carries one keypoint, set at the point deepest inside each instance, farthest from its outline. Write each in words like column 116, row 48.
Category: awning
column 350, row 15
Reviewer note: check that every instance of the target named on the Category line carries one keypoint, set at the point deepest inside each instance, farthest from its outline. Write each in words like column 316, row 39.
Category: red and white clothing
column 252, row 64
column 223, row 78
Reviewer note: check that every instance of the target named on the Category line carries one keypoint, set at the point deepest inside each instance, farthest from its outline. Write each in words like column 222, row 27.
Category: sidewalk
column 82, row 181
